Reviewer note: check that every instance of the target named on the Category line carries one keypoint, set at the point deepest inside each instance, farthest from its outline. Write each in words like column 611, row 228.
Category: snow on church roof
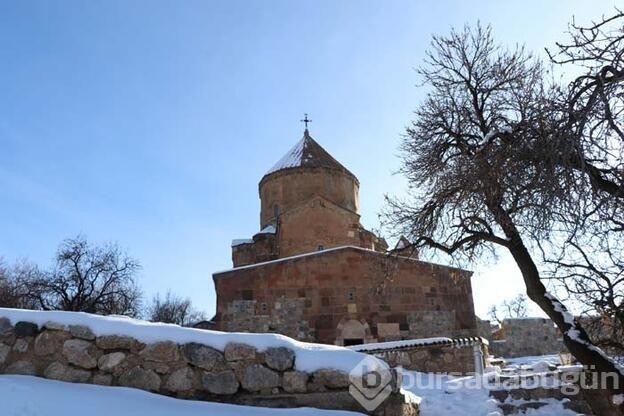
column 307, row 153
column 403, row 243
column 269, row 229
column 241, row 241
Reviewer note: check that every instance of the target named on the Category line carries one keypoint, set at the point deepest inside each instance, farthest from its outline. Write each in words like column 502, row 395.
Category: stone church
column 314, row 273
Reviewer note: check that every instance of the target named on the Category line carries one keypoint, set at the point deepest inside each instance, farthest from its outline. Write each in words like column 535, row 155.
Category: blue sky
column 150, row 123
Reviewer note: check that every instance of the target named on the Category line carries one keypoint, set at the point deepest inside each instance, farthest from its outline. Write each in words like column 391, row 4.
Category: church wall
column 393, row 298
column 262, row 248
column 287, row 189
column 315, row 223
column 243, row 254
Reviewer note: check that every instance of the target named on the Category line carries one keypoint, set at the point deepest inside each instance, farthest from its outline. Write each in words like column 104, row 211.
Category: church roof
column 307, row 153
column 329, row 251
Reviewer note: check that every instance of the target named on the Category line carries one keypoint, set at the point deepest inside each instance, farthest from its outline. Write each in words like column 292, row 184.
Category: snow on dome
column 307, row 153
column 292, row 159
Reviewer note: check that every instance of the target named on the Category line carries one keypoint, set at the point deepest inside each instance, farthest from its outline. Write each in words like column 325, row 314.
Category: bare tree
column 512, row 308
column 516, row 307
column 590, row 265
column 7, row 292
column 15, row 285
column 484, row 159
column 94, row 279
column 173, row 310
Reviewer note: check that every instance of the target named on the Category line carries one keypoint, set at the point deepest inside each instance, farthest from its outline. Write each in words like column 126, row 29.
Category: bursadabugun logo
column 370, row 382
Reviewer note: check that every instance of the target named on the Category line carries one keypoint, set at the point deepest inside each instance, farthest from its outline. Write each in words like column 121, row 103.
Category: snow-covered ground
column 447, row 396
column 443, row 396
column 30, row 396
column 440, row 397
column 533, row 360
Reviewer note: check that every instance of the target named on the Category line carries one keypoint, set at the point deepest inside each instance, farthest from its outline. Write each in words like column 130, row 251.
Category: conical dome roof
column 307, row 153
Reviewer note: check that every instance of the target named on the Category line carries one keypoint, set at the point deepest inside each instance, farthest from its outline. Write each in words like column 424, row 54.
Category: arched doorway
column 352, row 332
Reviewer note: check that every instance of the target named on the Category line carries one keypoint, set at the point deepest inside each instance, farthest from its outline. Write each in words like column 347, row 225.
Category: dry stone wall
column 238, row 374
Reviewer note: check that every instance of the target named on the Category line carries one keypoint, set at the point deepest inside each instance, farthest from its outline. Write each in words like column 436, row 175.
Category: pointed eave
column 307, row 153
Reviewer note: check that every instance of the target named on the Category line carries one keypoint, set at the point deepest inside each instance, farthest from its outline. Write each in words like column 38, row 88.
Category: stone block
column 81, row 353
column 180, row 380
column 140, row 378
column 54, row 326
column 58, row 371
column 387, row 330
column 160, row 368
column 295, row 382
column 103, row 379
column 109, row 362
column 202, row 356
column 22, row 345
column 162, row 352
column 25, row 368
column 235, row 351
column 279, row 358
column 82, row 332
column 256, row 377
column 316, row 386
column 5, row 327
column 332, row 379
column 48, row 342
column 26, row 329
column 116, row 342
column 222, row 383
column 4, row 353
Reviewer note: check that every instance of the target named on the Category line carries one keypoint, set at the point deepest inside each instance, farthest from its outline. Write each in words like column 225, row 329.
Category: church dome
column 307, row 153
column 305, row 171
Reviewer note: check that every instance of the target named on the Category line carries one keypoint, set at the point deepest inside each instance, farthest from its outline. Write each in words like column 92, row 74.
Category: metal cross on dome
column 306, row 120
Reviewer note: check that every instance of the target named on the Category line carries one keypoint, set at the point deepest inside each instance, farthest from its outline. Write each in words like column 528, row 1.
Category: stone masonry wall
column 285, row 190
column 314, row 297
column 316, row 222
column 239, row 374
column 525, row 337
column 286, row 314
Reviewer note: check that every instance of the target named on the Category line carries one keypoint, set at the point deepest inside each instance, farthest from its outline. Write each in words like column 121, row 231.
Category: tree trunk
column 574, row 336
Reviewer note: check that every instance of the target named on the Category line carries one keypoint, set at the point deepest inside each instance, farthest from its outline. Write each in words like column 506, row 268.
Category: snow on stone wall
column 266, row 369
